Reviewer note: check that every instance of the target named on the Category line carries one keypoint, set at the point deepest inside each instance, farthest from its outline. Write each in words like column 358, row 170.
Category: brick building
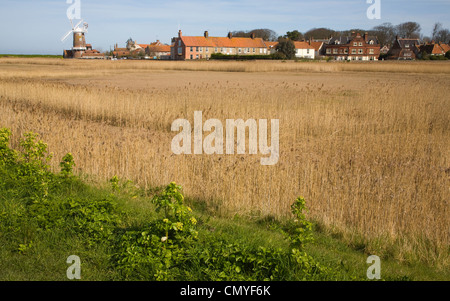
column 356, row 47
column 201, row 47
column 404, row 49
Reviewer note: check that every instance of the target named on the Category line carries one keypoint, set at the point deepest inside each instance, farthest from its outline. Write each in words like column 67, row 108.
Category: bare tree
column 440, row 34
column 436, row 28
column 385, row 33
column 408, row 30
column 443, row 36
column 264, row 33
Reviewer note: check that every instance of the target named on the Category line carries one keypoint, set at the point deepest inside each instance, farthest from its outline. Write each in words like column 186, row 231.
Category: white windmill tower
column 79, row 40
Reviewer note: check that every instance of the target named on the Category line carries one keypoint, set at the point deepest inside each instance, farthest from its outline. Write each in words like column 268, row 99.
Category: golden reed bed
column 367, row 144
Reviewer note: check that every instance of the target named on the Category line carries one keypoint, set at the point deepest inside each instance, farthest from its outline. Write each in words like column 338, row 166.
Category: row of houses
column 411, row 49
column 155, row 50
column 357, row 46
column 202, row 47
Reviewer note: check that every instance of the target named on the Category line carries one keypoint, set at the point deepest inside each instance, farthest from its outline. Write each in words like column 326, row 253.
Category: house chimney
column 180, row 33
column 366, row 37
column 253, row 36
column 230, row 35
column 206, row 34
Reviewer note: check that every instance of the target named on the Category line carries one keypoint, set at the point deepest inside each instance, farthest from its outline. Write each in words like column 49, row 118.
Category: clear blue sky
column 36, row 26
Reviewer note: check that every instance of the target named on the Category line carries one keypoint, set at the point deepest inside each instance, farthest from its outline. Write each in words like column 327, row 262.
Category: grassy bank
column 123, row 232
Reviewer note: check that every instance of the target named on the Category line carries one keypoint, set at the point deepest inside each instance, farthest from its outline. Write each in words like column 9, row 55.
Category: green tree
column 286, row 47
column 294, row 35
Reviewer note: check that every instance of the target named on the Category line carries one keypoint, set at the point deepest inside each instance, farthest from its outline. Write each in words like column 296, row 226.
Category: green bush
column 279, row 56
column 437, row 58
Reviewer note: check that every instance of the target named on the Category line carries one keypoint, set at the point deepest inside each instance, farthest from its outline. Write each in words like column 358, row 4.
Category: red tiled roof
column 160, row 48
column 157, row 43
column 223, row 42
column 302, row 45
column 445, row 47
column 316, row 45
column 270, row 44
